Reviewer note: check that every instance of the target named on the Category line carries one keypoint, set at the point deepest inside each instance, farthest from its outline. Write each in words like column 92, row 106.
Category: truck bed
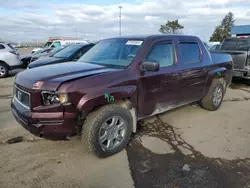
column 239, row 58
column 218, row 57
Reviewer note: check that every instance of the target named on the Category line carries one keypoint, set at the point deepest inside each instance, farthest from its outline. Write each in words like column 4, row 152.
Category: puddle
column 151, row 169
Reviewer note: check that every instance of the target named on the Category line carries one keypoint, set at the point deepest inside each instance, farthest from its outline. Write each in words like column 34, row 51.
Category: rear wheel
column 213, row 99
column 247, row 81
column 107, row 130
column 3, row 70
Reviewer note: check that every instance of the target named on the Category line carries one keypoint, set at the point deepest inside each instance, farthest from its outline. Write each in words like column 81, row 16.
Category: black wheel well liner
column 3, row 62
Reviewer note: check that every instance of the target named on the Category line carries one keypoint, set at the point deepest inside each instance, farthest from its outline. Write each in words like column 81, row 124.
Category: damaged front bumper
column 49, row 125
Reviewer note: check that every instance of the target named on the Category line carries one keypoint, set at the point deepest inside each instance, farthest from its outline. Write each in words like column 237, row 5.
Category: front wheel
column 107, row 130
column 213, row 99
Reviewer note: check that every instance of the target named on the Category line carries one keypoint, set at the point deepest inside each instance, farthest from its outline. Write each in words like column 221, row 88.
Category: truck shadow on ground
column 241, row 84
column 167, row 170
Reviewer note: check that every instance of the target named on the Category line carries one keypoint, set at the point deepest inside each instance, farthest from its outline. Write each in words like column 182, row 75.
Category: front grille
column 22, row 97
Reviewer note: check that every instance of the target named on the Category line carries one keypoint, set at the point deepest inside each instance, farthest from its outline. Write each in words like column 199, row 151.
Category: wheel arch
column 217, row 74
column 3, row 62
column 125, row 98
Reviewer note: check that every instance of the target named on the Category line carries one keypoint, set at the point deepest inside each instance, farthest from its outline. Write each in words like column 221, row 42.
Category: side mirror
column 150, row 66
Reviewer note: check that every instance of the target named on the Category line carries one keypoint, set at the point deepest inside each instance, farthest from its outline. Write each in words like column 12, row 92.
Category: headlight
column 14, row 79
column 54, row 98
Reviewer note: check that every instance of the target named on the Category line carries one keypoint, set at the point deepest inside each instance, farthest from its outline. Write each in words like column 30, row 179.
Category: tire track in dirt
column 5, row 96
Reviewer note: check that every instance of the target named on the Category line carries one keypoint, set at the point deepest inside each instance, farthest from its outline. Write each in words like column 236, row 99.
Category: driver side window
column 163, row 53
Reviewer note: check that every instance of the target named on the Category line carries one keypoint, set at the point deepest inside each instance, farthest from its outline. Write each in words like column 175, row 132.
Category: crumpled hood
column 45, row 61
column 54, row 75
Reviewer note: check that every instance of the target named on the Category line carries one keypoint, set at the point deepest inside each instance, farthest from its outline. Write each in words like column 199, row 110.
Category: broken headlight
column 50, row 97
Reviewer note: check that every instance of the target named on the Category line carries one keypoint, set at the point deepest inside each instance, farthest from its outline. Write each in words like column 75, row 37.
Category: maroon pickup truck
column 118, row 82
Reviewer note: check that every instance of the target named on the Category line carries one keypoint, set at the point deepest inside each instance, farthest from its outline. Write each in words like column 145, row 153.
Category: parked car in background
column 70, row 53
column 205, row 44
column 47, row 45
column 116, row 83
column 54, row 51
column 47, row 52
column 239, row 49
column 25, row 59
column 28, row 58
column 215, row 47
column 57, row 43
column 9, row 59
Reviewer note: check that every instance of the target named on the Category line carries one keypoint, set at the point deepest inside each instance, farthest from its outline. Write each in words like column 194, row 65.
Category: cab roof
column 156, row 36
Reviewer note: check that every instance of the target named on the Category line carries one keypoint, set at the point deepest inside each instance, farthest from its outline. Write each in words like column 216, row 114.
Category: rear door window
column 190, row 52
column 237, row 44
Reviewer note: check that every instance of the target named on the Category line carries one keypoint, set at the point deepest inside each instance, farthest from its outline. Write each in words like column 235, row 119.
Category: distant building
column 240, row 30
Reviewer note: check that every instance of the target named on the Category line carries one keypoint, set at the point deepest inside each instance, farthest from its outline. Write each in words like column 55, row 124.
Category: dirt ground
column 24, row 51
column 186, row 147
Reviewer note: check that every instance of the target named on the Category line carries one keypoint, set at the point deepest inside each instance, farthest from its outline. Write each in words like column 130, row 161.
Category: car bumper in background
column 21, row 66
column 241, row 73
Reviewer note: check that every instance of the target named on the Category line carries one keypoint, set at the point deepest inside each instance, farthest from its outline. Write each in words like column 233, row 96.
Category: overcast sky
column 29, row 20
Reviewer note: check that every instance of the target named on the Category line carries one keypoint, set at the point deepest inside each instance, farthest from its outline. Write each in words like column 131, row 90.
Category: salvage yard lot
column 213, row 147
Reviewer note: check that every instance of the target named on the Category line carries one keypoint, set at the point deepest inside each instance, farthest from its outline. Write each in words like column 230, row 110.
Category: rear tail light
column 242, row 37
column 13, row 52
column 248, row 61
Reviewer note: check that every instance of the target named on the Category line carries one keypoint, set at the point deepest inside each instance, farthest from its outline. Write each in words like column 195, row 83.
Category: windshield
column 216, row 47
column 237, row 44
column 47, row 44
column 38, row 52
column 113, row 52
column 67, row 52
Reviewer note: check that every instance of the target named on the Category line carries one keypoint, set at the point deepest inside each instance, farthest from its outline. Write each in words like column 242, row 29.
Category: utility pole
column 120, row 23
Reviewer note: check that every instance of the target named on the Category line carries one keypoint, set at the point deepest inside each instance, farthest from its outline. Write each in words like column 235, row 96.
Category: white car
column 9, row 59
column 57, row 43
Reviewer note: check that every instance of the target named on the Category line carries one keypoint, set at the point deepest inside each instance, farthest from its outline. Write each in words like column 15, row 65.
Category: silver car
column 9, row 59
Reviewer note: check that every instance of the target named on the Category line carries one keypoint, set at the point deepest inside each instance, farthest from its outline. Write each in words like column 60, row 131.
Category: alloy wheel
column 217, row 96
column 112, row 133
column 2, row 70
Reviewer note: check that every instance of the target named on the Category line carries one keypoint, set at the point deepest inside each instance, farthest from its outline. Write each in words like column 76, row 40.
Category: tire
column 208, row 102
column 99, row 123
column 3, row 70
column 25, row 63
column 247, row 82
